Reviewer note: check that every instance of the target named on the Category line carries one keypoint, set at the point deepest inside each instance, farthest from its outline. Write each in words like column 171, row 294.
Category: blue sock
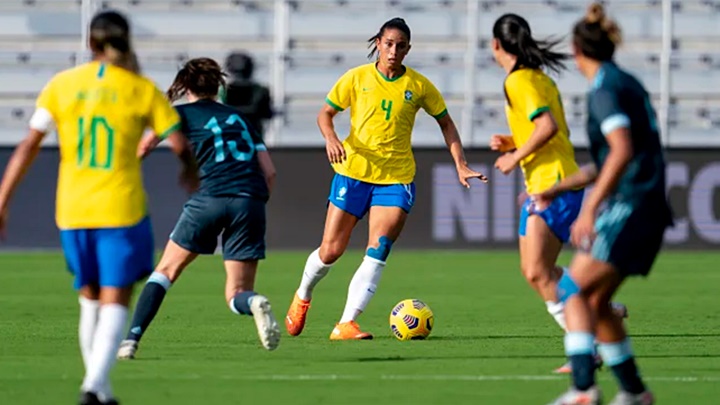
column 148, row 305
column 240, row 304
column 619, row 357
column 580, row 348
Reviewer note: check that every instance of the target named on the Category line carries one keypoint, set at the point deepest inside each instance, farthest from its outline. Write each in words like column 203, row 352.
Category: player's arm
column 181, row 147
column 18, row 165
column 583, row 177
column 434, row 104
column 454, row 145
column 502, row 143
column 615, row 125
column 338, row 99
column 268, row 169
column 545, row 128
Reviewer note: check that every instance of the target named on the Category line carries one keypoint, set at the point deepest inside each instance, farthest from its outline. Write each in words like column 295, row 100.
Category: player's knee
column 169, row 270
column 537, row 274
column 382, row 251
column 566, row 287
column 330, row 252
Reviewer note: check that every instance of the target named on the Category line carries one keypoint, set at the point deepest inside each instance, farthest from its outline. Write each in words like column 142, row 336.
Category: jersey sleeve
column 43, row 119
column 433, row 102
column 163, row 119
column 605, row 108
column 525, row 97
column 340, row 95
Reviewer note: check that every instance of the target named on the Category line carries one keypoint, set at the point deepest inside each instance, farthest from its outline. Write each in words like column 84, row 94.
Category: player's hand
column 506, row 163
column 465, row 173
column 335, row 150
column 521, row 198
column 582, row 232
column 501, row 143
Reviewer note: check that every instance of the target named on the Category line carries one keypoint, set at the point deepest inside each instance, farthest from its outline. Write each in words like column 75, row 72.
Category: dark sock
column 628, row 376
column 241, row 302
column 147, row 307
column 583, row 371
column 580, row 349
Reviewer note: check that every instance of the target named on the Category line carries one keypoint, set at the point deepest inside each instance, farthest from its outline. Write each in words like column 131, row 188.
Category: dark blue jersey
column 225, row 147
column 619, row 100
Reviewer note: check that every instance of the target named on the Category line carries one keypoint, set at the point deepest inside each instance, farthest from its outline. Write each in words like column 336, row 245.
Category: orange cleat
column 295, row 319
column 349, row 331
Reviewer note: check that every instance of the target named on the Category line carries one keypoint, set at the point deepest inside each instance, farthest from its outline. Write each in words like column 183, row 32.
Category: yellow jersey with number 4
column 382, row 116
column 101, row 112
column 530, row 92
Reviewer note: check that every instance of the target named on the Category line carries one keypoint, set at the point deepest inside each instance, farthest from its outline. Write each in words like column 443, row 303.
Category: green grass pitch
column 493, row 341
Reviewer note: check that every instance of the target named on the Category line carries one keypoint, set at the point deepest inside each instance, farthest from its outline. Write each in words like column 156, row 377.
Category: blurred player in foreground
column 540, row 144
column 237, row 175
column 101, row 110
column 623, row 238
column 375, row 169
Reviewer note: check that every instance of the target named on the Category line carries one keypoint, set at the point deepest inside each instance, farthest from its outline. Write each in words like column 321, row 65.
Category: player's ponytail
column 395, row 23
column 110, row 37
column 596, row 36
column 203, row 77
column 513, row 33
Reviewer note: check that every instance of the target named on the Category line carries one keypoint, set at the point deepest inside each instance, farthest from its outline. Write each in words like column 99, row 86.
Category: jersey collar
column 387, row 79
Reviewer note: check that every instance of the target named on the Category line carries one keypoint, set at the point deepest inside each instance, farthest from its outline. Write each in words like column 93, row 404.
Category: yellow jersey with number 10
column 531, row 92
column 101, row 112
column 382, row 116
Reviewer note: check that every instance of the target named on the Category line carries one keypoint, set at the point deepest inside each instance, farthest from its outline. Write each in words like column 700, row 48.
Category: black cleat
column 90, row 398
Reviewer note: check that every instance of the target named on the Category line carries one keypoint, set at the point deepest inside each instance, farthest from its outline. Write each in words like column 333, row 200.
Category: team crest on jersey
column 408, row 95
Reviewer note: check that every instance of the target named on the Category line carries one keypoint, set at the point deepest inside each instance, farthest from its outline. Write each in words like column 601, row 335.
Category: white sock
column 362, row 288
column 110, row 326
column 86, row 328
column 557, row 310
column 314, row 271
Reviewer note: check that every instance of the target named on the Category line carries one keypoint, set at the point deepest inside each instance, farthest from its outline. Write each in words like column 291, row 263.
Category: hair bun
column 595, row 13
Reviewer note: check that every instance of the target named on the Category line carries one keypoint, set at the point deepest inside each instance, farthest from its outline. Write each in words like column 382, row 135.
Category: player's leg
column 80, row 260
column 124, row 256
column 243, row 247
column 389, row 209
column 195, row 233
column 347, row 203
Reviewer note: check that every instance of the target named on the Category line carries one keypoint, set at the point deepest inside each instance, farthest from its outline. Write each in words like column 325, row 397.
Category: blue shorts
column 559, row 216
column 109, row 257
column 356, row 197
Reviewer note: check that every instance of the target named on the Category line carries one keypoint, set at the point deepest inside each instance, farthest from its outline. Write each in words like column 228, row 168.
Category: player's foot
column 567, row 367
column 127, row 349
column 574, row 397
column 90, row 398
column 267, row 326
column 626, row 398
column 349, row 331
column 295, row 319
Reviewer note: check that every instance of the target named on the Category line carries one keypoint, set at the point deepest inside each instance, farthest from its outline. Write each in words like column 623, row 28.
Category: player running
column 374, row 169
column 237, row 175
column 100, row 110
column 622, row 239
column 540, row 145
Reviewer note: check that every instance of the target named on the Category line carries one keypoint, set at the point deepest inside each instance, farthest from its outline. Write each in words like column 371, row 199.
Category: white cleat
column 574, row 397
column 267, row 326
column 127, row 349
column 626, row 398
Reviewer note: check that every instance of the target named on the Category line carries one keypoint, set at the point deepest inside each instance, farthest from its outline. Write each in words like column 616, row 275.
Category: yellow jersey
column 101, row 112
column 530, row 92
column 382, row 116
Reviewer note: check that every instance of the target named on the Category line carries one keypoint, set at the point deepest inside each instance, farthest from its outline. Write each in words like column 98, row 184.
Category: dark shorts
column 109, row 257
column 629, row 238
column 559, row 216
column 240, row 221
column 356, row 197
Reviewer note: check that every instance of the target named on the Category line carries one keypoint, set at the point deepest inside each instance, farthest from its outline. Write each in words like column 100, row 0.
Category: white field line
column 347, row 377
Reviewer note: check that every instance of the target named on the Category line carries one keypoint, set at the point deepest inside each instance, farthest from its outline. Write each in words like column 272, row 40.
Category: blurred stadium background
column 301, row 47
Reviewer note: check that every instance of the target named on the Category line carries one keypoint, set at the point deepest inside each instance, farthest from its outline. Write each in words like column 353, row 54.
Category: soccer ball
column 411, row 320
